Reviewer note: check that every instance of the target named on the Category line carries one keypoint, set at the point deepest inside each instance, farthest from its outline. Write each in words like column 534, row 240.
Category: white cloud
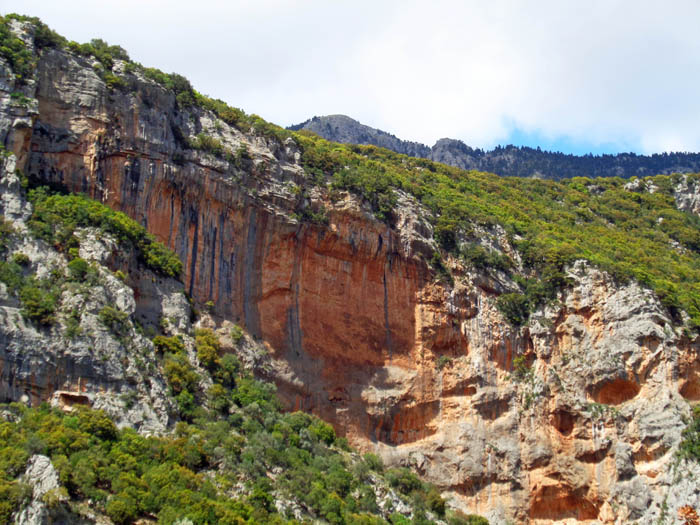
column 620, row 72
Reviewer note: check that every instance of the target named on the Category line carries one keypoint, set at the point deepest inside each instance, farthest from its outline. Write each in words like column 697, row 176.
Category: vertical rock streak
column 360, row 332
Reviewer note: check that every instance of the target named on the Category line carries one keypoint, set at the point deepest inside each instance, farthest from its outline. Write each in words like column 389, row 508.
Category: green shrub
column 398, row 519
column 6, row 232
column 102, row 51
column 72, row 324
column 477, row 256
column 374, row 462
column 179, row 373
column 122, row 509
column 249, row 391
column 236, row 334
column 96, row 423
column 370, row 181
column 11, row 274
column 442, row 272
column 227, row 370
column 172, row 345
column 115, row 320
column 39, row 301
column 403, row 480
column 364, row 519
column 78, row 268
column 12, row 495
column 185, row 405
column 208, row 348
column 15, row 51
column 515, row 307
column 434, row 501
column 113, row 81
column 690, row 444
column 219, row 398
column 459, row 518
column 521, row 370
column 323, row 432
column 21, row 258
column 242, row 155
column 443, row 361
column 209, row 144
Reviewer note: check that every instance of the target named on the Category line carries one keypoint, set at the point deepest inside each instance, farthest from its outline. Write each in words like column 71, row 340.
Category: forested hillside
column 510, row 161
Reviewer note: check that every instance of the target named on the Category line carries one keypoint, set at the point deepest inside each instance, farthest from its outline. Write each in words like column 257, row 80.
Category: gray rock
column 41, row 475
column 624, row 461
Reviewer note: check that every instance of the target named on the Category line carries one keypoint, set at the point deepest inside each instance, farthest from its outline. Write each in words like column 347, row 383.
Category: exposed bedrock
column 361, row 332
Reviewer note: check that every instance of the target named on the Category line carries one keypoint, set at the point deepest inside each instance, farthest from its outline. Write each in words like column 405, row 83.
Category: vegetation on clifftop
column 631, row 234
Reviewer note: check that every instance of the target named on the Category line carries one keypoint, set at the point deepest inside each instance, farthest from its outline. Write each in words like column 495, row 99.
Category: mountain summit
column 513, row 161
column 341, row 128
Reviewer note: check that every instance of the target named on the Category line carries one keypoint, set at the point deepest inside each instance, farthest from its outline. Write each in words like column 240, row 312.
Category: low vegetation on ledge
column 56, row 217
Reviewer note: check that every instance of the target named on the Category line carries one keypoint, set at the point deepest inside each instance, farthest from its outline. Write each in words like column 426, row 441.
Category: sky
column 596, row 76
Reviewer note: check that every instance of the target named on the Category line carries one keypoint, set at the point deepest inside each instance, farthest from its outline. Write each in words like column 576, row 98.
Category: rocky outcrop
column 340, row 128
column 687, row 195
column 46, row 505
column 582, row 427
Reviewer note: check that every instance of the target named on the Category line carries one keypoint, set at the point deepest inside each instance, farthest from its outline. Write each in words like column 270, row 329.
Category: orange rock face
column 362, row 334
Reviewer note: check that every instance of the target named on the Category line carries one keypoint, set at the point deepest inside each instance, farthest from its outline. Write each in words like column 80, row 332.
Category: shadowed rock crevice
column 559, row 502
column 615, row 392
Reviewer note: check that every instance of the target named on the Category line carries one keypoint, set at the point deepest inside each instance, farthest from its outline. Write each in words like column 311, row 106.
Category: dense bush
column 39, row 300
column 172, row 345
column 479, row 257
column 12, row 275
column 209, row 144
column 515, row 307
column 6, row 231
column 404, row 480
column 101, row 50
column 78, row 268
column 114, row 319
column 180, row 374
column 458, row 518
column 208, row 348
column 373, row 462
column 14, row 50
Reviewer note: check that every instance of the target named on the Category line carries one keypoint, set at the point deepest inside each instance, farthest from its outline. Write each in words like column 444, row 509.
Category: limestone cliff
column 90, row 364
column 581, row 428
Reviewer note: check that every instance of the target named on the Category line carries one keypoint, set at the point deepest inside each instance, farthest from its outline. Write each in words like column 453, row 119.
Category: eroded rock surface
column 359, row 329
column 89, row 365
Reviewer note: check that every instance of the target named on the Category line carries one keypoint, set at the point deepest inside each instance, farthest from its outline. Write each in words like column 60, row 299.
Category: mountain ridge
column 510, row 160
column 529, row 346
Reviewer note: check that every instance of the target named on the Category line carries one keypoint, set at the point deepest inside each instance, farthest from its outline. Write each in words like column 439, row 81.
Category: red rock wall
column 358, row 326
